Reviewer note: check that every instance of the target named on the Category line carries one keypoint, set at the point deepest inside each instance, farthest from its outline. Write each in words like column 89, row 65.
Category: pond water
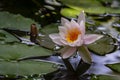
column 102, row 17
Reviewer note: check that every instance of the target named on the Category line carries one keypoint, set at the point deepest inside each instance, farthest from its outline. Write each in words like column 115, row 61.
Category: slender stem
column 68, row 65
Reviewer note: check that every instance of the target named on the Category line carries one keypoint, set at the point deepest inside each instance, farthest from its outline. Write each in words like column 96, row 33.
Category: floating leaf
column 103, row 46
column 16, row 51
column 52, row 28
column 89, row 6
column 45, row 40
column 83, row 3
column 8, row 20
column 6, row 37
column 68, row 12
column 105, row 77
column 115, row 67
column 25, row 68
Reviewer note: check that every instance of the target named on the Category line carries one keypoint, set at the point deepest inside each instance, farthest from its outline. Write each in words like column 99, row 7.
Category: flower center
column 72, row 35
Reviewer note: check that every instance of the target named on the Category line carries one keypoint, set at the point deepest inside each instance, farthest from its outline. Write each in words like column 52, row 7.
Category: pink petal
column 82, row 27
column 79, row 42
column 63, row 21
column 68, row 26
column 75, row 24
column 62, row 31
column 81, row 17
column 90, row 38
column 56, row 38
column 68, row 51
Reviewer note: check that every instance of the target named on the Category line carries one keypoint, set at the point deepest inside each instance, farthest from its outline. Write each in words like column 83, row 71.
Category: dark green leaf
column 85, row 54
column 103, row 46
column 25, row 68
column 45, row 40
column 16, row 51
column 52, row 28
column 8, row 20
column 7, row 37
column 115, row 67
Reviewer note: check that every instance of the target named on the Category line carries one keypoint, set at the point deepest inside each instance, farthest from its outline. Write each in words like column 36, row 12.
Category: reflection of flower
column 72, row 35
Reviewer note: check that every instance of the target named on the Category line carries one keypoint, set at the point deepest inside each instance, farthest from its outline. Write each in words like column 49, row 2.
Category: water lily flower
column 72, row 36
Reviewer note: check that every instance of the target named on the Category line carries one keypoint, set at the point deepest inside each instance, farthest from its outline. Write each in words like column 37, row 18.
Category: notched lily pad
column 115, row 67
column 103, row 46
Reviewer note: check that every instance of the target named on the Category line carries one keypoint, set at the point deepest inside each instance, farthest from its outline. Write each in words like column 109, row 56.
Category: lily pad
column 92, row 3
column 115, row 67
column 68, row 12
column 8, row 20
column 45, row 40
column 105, row 77
column 16, row 51
column 25, row 68
column 89, row 6
column 52, row 28
column 103, row 46
column 6, row 37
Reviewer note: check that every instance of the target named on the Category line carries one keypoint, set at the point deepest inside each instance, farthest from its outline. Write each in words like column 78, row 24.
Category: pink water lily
column 72, row 35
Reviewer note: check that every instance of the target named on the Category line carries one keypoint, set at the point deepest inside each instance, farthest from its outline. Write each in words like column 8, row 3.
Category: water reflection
column 98, row 66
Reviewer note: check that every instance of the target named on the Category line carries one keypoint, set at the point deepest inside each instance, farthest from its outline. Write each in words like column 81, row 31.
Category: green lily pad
column 45, row 40
column 25, row 68
column 8, row 20
column 12, row 21
column 92, row 3
column 68, row 12
column 115, row 67
column 105, row 77
column 6, row 37
column 103, row 46
column 89, row 6
column 16, row 51
column 52, row 28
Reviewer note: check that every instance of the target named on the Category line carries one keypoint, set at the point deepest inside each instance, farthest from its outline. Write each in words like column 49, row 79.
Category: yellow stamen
column 72, row 35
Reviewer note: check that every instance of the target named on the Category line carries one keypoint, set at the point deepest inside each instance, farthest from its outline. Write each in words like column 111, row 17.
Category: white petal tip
column 82, row 11
column 100, row 36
